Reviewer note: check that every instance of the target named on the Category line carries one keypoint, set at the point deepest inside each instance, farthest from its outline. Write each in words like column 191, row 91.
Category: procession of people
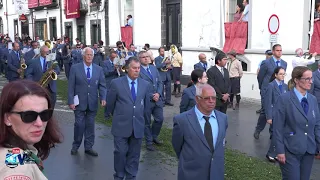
column 134, row 87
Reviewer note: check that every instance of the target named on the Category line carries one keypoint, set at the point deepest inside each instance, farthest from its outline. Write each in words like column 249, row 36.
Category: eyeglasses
column 31, row 116
column 307, row 79
column 208, row 98
column 280, row 74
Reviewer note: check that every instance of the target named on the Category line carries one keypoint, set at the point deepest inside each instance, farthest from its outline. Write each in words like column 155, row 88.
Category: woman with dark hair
column 275, row 88
column 317, row 13
column 66, row 58
column 26, row 126
column 296, row 126
column 239, row 11
column 198, row 76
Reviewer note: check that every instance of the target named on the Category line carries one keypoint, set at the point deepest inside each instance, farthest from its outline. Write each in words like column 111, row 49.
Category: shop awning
column 32, row 4
column 236, row 35
column 126, row 35
column 72, row 9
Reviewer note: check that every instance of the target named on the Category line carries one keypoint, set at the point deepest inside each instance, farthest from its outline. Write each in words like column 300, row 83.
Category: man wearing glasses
column 200, row 158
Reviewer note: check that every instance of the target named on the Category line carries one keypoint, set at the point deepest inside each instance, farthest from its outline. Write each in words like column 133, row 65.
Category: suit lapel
column 145, row 72
column 83, row 72
column 296, row 102
column 139, row 93
column 220, row 123
column 272, row 62
column 218, row 71
column 318, row 73
column 94, row 74
column 193, row 120
column 275, row 85
column 126, row 86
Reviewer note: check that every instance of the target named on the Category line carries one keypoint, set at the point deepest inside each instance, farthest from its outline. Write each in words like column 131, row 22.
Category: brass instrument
column 23, row 66
column 165, row 69
column 48, row 43
column 49, row 75
column 120, row 65
column 36, row 53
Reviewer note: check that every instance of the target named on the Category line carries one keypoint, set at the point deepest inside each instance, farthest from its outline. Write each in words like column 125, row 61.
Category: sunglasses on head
column 31, row 116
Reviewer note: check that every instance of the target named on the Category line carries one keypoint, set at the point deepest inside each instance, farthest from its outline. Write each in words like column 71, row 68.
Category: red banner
column 126, row 36
column 315, row 38
column 72, row 9
column 45, row 2
column 236, row 36
column 32, row 4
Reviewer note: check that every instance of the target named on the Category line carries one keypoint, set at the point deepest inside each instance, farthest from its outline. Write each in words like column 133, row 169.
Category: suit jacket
column 86, row 91
column 164, row 76
column 199, row 66
column 266, row 70
column 109, row 72
column 293, row 129
column 315, row 88
column 196, row 161
column 271, row 96
column 188, row 100
column 157, row 84
column 220, row 83
column 127, row 114
column 13, row 65
column 76, row 56
column 28, row 56
column 34, row 72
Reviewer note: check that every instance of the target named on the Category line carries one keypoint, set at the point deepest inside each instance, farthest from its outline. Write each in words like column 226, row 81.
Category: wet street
column 153, row 165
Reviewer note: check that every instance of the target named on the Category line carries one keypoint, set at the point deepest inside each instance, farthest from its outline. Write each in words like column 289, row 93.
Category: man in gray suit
column 14, row 68
column 266, row 70
column 127, row 100
column 37, row 67
column 198, row 138
column 151, row 74
column 165, row 76
column 85, row 80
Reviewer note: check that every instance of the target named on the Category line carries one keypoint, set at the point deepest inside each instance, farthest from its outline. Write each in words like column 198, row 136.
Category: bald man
column 203, row 62
column 303, row 60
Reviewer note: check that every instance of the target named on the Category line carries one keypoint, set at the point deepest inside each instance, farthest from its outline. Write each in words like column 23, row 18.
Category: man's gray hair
column 42, row 48
column 141, row 52
column 85, row 49
column 130, row 60
column 200, row 87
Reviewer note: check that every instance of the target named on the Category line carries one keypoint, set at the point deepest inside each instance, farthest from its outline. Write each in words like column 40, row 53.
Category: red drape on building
column 45, row 2
column 72, row 9
column 32, row 3
column 315, row 38
column 236, row 35
column 126, row 35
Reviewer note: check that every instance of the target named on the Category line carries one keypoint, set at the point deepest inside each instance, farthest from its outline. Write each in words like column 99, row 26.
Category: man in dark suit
column 203, row 62
column 38, row 67
column 127, row 100
column 218, row 78
column 198, row 138
column 110, row 73
column 165, row 76
column 315, row 87
column 30, row 54
column 151, row 74
column 4, row 58
column 266, row 70
column 85, row 80
column 14, row 67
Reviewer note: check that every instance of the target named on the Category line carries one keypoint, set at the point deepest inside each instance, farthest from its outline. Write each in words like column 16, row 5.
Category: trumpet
column 23, row 66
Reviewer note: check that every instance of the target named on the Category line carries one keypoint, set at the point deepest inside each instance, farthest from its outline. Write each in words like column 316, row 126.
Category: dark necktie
column 133, row 91
column 205, row 66
column 305, row 105
column 280, row 87
column 18, row 56
column 150, row 75
column 44, row 68
column 277, row 63
column 112, row 63
column 208, row 132
column 222, row 72
column 88, row 75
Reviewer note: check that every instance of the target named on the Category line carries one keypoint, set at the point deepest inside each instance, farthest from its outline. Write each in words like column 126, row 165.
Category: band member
column 198, row 138
column 76, row 55
column 132, row 51
column 14, row 68
column 151, row 74
column 302, row 59
column 147, row 48
column 203, row 62
column 38, row 67
column 176, row 61
column 85, row 80
column 296, row 125
column 98, row 56
column 110, row 73
column 28, row 56
column 164, row 69
column 218, row 78
column 266, row 70
column 127, row 99
column 121, row 50
column 235, row 74
column 66, row 58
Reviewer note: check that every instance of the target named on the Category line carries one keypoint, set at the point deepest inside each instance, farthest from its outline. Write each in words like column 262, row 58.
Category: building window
column 128, row 10
column 231, row 9
column 95, row 33
column 81, row 34
column 53, row 29
column 16, row 28
column 40, row 29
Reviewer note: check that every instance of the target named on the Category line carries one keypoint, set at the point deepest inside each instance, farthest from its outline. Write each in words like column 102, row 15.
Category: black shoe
column 169, row 104
column 157, row 142
column 256, row 135
column 173, row 93
column 258, row 111
column 178, row 95
column 74, row 152
column 150, row 147
column 271, row 159
column 91, row 152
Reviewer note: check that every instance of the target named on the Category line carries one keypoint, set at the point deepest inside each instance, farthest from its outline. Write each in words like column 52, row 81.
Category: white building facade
column 194, row 26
